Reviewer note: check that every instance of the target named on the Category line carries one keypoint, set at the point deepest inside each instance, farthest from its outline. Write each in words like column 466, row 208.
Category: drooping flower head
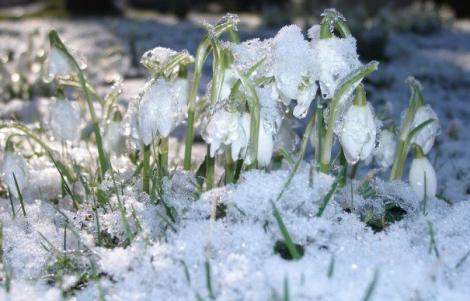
column 294, row 69
column 14, row 166
column 64, row 120
column 358, row 132
column 336, row 57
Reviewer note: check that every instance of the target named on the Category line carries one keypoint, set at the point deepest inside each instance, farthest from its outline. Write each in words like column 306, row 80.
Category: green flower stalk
column 416, row 101
column 228, row 23
column 58, row 45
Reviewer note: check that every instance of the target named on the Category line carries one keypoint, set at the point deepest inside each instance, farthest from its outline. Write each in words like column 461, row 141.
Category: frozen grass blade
column 285, row 234
column 331, row 267
column 432, row 240
column 207, row 267
column 65, row 185
column 326, row 200
column 371, row 287
column 462, row 260
column 20, row 196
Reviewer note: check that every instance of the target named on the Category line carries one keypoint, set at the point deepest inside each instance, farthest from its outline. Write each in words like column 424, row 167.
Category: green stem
column 340, row 92
column 201, row 55
column 146, row 170
column 229, row 168
column 401, row 152
column 210, row 169
column 163, row 156
column 319, row 132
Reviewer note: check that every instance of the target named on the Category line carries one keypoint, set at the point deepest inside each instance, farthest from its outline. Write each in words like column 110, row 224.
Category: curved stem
column 146, row 170
column 338, row 98
column 103, row 160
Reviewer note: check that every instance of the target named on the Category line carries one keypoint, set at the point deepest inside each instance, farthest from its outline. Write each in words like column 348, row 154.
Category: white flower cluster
column 286, row 68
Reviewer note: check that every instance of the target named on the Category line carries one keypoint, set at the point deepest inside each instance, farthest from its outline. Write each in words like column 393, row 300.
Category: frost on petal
column 336, row 58
column 130, row 124
column 162, row 107
column 423, row 178
column 306, row 95
column 293, row 63
column 384, row 154
column 64, row 120
column 265, row 145
column 113, row 140
column 224, row 128
column 229, row 80
column 426, row 136
column 14, row 163
column 270, row 109
column 358, row 133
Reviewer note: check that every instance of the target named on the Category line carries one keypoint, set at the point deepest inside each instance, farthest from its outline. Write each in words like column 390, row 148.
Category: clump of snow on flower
column 294, row 69
column 336, row 58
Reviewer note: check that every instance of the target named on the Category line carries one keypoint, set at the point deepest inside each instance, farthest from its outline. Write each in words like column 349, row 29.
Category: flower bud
column 425, row 137
column 358, row 132
column 422, row 176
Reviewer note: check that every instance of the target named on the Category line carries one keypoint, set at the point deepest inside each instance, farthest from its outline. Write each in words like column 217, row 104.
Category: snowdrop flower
column 130, row 125
column 58, row 64
column 293, row 69
column 230, row 78
column 162, row 108
column 14, row 163
column 113, row 139
column 64, row 120
column 358, row 132
column 226, row 128
column 336, row 58
column 422, row 176
column 426, row 136
column 384, row 154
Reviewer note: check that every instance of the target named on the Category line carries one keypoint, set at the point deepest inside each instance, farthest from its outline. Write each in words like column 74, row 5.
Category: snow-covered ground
column 221, row 244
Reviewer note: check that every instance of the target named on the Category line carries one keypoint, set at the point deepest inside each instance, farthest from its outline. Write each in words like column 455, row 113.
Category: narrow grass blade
column 327, row 198
column 20, row 196
column 371, row 287
column 285, row 234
